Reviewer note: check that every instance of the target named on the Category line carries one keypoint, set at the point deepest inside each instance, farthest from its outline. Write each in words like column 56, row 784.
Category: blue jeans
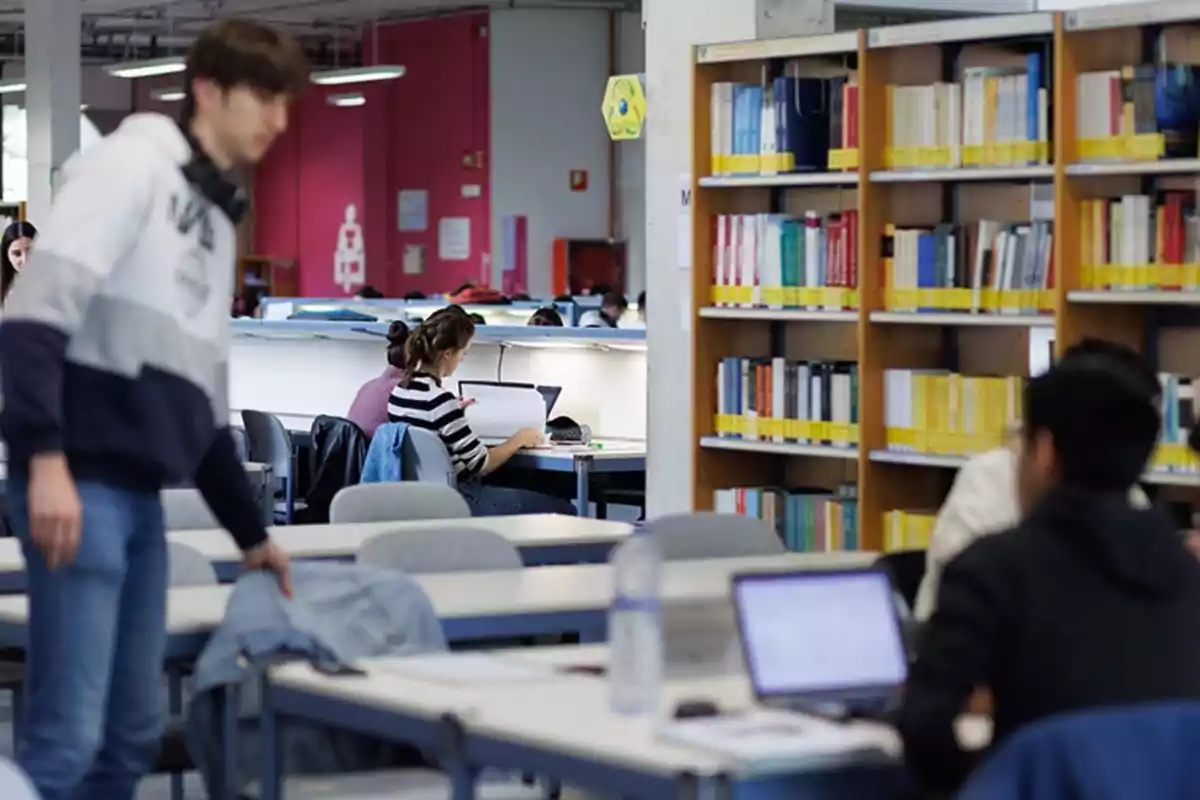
column 500, row 501
column 97, row 634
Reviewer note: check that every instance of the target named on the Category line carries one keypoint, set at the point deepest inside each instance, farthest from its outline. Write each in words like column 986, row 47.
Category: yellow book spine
column 991, row 85
column 920, row 411
column 1086, row 255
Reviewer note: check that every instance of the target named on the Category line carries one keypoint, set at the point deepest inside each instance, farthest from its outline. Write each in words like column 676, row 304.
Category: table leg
column 175, row 708
column 453, row 760
column 583, row 473
column 229, row 702
column 271, row 743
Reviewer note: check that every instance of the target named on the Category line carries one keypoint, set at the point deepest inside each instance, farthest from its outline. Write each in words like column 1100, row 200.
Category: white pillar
column 673, row 27
column 52, row 95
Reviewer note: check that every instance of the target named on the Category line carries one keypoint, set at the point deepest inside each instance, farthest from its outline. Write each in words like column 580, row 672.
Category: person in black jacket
column 1088, row 602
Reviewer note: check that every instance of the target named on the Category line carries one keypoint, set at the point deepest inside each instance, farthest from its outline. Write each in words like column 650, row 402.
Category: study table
column 534, row 717
column 601, row 456
column 530, row 710
column 541, row 538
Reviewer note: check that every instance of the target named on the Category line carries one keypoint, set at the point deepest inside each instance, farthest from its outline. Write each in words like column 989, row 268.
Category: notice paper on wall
column 683, row 229
column 414, row 259
column 499, row 411
column 414, row 210
column 454, row 238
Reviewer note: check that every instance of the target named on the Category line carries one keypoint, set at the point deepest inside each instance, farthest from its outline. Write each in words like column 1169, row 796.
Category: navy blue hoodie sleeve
column 93, row 223
column 222, row 482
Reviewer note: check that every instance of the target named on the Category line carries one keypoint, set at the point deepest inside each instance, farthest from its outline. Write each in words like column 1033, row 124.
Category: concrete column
column 52, row 96
column 673, row 27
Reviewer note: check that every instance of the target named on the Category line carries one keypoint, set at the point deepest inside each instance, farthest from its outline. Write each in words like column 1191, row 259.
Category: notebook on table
column 827, row 643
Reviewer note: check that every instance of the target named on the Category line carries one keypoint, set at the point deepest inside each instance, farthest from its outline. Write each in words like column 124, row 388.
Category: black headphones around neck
column 210, row 181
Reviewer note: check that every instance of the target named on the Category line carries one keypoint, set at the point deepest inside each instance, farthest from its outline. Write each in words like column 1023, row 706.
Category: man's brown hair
column 241, row 52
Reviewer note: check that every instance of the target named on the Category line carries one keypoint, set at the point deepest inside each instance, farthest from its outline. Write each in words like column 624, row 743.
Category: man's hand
column 270, row 557
column 55, row 513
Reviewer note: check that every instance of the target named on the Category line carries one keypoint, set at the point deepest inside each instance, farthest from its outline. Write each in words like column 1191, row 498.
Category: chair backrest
column 426, row 458
column 440, row 549
column 906, row 569
column 337, row 454
column 189, row 567
column 241, row 443
column 707, row 535
column 385, row 502
column 270, row 442
column 185, row 510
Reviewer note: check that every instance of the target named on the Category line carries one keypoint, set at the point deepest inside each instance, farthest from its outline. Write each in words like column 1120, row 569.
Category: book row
column 945, row 413
column 807, row 520
column 758, row 398
column 984, row 267
column 789, row 124
column 907, row 530
column 782, row 261
column 1139, row 241
column 996, row 116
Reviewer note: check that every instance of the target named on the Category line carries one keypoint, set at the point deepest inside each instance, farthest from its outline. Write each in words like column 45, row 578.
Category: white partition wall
column 605, row 389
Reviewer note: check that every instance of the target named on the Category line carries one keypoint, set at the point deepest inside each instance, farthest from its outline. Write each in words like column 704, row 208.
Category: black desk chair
column 906, row 569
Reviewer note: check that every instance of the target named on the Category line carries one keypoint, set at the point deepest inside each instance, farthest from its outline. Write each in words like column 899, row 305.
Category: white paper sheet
column 466, row 668
column 500, row 411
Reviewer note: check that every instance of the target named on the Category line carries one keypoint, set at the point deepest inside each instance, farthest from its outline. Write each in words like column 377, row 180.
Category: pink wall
column 413, row 133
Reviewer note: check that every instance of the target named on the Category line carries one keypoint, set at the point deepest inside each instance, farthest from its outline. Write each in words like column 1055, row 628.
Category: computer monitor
column 817, row 634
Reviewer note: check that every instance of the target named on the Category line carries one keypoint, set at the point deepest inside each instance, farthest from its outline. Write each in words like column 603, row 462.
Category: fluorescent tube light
column 172, row 94
column 147, row 68
column 12, row 86
column 339, row 77
column 347, row 99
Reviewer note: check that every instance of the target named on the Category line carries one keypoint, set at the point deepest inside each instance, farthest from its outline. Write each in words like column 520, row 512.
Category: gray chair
column 185, row 510
column 394, row 502
column 708, row 535
column 440, row 549
column 426, row 459
column 241, row 442
column 189, row 567
column 270, row 443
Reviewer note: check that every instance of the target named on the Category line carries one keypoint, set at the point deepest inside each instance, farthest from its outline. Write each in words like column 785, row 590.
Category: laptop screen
column 819, row 631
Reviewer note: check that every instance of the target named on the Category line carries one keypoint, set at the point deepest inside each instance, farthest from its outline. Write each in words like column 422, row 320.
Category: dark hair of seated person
column 520, row 297
column 545, row 318
column 414, row 295
column 564, row 298
column 478, row 319
column 397, row 335
column 369, row 292
column 599, row 290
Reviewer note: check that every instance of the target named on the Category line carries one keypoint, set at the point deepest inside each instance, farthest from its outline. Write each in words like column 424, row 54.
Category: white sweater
column 982, row 501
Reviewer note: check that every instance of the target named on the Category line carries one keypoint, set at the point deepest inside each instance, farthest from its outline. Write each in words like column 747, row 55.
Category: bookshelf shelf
column 779, row 449
column 986, row 152
column 917, row 459
column 1168, row 166
column 1042, row 172
column 1134, row 298
column 962, row 319
column 778, row 314
column 797, row 179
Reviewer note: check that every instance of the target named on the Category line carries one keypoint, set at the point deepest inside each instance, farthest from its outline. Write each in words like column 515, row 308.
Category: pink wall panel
column 417, row 132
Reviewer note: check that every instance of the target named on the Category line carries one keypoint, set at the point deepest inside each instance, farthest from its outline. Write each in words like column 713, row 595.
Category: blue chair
column 1117, row 753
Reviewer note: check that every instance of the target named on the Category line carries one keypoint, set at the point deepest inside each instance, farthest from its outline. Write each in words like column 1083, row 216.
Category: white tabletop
column 544, row 590
column 599, row 450
column 253, row 467
column 343, row 540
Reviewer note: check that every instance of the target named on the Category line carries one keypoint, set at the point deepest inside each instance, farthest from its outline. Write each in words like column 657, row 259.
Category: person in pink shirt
column 370, row 407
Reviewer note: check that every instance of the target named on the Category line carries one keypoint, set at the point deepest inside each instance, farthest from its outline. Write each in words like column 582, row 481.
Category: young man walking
column 113, row 365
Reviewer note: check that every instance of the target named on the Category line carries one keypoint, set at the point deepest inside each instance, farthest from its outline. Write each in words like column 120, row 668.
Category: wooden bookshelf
column 880, row 336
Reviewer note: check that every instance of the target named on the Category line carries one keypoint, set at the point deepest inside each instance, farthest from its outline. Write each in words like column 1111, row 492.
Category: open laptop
column 827, row 643
column 549, row 393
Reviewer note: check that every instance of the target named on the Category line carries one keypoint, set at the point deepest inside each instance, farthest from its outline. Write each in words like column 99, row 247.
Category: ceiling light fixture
column 347, row 99
column 340, row 77
column 12, row 85
column 147, row 68
column 171, row 94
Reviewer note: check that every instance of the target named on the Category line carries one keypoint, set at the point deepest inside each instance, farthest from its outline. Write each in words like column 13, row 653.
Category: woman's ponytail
column 445, row 331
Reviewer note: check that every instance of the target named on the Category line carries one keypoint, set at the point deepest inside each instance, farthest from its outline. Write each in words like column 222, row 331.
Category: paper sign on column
column 454, row 238
column 683, row 245
column 500, row 411
column 413, row 207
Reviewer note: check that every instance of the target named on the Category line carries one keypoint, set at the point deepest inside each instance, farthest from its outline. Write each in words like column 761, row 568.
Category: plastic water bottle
column 635, row 626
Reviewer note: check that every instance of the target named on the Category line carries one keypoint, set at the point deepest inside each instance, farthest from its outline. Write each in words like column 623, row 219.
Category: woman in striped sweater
column 432, row 353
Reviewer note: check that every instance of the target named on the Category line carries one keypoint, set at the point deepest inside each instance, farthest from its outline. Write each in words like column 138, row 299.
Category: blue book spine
column 927, row 264
column 1033, row 76
column 778, row 94
column 755, row 125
